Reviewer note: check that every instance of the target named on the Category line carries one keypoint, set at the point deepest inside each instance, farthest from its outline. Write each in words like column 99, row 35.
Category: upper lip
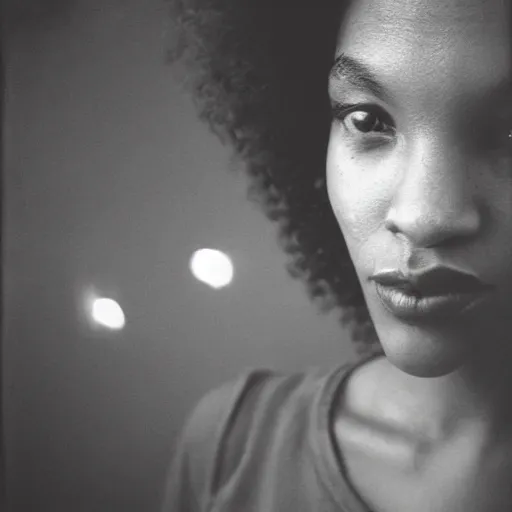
column 434, row 281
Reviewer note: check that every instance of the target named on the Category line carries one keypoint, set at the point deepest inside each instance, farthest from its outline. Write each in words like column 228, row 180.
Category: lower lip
column 440, row 307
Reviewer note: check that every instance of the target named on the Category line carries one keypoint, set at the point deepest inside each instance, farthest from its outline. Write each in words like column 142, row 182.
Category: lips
column 434, row 282
column 437, row 294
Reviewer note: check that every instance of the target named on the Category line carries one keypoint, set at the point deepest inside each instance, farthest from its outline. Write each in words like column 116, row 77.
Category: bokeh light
column 107, row 313
column 212, row 267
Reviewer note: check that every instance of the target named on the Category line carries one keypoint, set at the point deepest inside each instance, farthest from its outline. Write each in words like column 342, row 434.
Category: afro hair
column 258, row 77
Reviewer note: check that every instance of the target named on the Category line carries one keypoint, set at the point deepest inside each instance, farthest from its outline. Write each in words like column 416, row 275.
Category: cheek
column 357, row 196
column 499, row 231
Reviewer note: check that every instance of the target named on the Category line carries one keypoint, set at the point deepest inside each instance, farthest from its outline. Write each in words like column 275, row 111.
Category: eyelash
column 489, row 140
column 340, row 112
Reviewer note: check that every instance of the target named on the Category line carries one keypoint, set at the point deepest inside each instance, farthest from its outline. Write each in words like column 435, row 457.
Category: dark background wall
column 111, row 184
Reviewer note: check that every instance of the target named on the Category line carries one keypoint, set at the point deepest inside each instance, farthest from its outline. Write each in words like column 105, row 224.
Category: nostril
column 390, row 225
column 427, row 228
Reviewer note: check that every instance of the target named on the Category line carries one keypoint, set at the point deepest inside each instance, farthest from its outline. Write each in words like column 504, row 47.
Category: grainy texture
column 258, row 76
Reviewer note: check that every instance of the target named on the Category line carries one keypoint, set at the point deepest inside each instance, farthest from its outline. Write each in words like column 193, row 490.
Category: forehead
column 431, row 42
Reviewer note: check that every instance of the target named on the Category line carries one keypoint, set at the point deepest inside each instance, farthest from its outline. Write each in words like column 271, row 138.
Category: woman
column 378, row 134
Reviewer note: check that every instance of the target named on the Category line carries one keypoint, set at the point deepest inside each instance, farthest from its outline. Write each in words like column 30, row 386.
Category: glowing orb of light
column 108, row 313
column 212, row 267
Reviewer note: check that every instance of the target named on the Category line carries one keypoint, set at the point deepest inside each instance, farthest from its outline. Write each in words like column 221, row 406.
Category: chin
column 422, row 353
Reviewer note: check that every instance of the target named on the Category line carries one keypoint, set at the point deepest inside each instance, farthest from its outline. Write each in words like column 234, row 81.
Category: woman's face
column 419, row 173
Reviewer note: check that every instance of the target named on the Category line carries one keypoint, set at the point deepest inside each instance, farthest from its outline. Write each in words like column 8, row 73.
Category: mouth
column 415, row 309
column 438, row 294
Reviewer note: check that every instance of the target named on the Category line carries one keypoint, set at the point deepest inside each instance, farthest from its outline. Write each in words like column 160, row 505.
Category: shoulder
column 212, row 412
column 233, row 421
column 211, row 420
column 254, row 392
column 229, row 415
column 188, row 482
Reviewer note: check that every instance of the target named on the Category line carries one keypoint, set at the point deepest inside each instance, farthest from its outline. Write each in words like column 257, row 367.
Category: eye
column 364, row 119
column 365, row 122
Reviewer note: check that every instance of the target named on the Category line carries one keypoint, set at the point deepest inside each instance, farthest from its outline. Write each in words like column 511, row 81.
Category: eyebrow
column 357, row 75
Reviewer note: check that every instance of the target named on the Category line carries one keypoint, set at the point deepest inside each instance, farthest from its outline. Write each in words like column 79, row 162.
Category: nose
column 433, row 203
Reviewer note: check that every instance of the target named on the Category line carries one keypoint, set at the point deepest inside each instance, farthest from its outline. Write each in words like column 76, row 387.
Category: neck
column 476, row 394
